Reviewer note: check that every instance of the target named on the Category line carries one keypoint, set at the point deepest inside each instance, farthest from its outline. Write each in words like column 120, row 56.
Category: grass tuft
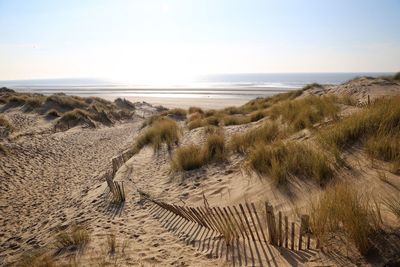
column 194, row 110
column 342, row 209
column 162, row 131
column 241, row 143
column 187, row 158
column 305, row 112
column 70, row 241
column 195, row 156
column 6, row 124
column 280, row 161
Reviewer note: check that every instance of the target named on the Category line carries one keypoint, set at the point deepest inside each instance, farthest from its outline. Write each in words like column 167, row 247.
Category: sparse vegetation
column 187, row 158
column 195, row 156
column 5, row 123
column 53, row 113
column 342, row 209
column 392, row 202
column 36, row 258
column 73, row 240
column 196, row 124
column 280, row 161
column 162, row 131
column 178, row 113
column 194, row 110
column 73, row 118
column 235, row 120
column 312, row 85
column 377, row 126
column 305, row 112
column 3, row 150
column 242, row 143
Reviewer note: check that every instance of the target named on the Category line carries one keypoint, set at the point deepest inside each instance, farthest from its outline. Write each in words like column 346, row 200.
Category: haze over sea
column 223, row 86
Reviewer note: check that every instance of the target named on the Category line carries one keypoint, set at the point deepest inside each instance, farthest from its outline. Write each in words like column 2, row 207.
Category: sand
column 50, row 181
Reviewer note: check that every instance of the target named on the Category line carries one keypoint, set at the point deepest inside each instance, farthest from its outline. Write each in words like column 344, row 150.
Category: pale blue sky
column 175, row 39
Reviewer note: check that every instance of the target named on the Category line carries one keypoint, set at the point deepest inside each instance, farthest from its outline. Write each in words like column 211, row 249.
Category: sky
column 168, row 40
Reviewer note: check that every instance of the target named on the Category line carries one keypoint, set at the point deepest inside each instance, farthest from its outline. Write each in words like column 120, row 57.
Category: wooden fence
column 246, row 231
column 117, row 188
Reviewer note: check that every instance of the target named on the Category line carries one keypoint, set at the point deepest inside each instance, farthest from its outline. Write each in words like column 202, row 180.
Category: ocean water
column 243, row 86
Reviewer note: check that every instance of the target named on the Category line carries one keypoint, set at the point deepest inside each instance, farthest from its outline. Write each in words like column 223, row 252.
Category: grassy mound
column 341, row 209
column 195, row 156
column 74, row 118
column 242, row 143
column 376, row 126
column 163, row 131
column 280, row 161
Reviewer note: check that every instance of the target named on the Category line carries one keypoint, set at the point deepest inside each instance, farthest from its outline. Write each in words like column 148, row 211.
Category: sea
column 245, row 86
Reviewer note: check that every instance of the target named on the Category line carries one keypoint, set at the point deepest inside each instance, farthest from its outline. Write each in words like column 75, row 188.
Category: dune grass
column 392, row 202
column 164, row 131
column 195, row 109
column 36, row 258
column 340, row 209
column 73, row 240
column 179, row 113
column 3, row 150
column 280, row 161
column 266, row 133
column 5, row 123
column 53, row 113
column 187, row 158
column 67, row 102
column 376, row 126
column 235, row 119
column 305, row 112
column 196, row 124
column 195, row 156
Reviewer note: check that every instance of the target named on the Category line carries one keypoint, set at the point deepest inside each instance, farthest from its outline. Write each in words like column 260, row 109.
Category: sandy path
column 44, row 176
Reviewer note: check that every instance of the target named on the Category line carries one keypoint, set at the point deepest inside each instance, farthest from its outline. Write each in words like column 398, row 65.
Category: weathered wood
column 301, row 235
column 238, row 226
column 286, row 231
column 230, row 220
column 280, row 229
column 292, row 237
column 241, row 222
column 271, row 224
column 247, row 222
column 259, row 222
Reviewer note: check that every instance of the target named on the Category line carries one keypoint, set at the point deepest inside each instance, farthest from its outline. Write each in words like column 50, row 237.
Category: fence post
column 292, row 237
column 286, row 231
column 271, row 224
column 280, row 229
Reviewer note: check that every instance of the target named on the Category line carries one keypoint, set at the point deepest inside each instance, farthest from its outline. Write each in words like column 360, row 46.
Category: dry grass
column 67, row 102
column 235, row 119
column 53, row 113
column 195, row 156
column 196, row 124
column 214, row 150
column 377, row 126
column 111, row 244
column 242, row 143
column 36, row 258
column 3, row 150
column 194, row 110
column 305, row 112
column 342, row 209
column 392, row 202
column 6, row 124
column 257, row 115
column 165, row 131
column 70, row 241
column 280, row 161
column 175, row 112
column 187, row 158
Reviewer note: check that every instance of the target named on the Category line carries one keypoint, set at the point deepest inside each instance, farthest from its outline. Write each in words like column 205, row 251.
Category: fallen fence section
column 244, row 234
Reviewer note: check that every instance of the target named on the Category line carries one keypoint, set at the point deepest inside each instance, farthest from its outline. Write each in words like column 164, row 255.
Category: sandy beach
column 52, row 180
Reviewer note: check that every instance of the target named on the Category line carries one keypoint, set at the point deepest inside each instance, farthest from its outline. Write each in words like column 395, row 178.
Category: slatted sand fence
column 243, row 234
column 116, row 188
